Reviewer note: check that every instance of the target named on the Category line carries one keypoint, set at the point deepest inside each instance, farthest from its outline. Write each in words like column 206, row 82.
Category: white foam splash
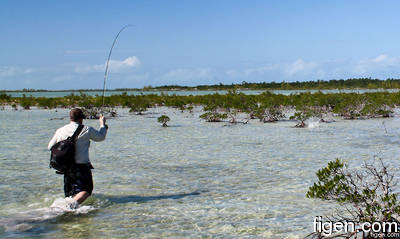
column 69, row 205
column 313, row 124
column 22, row 221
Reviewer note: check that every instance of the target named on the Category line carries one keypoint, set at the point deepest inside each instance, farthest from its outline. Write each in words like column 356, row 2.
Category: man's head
column 76, row 115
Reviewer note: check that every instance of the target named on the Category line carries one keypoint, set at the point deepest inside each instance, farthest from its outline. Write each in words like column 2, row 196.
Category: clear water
column 188, row 92
column 191, row 180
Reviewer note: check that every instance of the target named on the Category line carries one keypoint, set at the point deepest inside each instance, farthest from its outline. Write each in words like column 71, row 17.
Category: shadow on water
column 142, row 199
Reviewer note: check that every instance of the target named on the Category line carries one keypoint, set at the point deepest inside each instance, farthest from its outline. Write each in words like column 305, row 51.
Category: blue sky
column 64, row 44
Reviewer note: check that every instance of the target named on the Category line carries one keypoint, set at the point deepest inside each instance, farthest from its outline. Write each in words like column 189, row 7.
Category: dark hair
column 76, row 114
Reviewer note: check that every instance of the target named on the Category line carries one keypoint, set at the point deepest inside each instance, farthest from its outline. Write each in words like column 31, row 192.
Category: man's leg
column 81, row 197
column 78, row 184
column 84, row 184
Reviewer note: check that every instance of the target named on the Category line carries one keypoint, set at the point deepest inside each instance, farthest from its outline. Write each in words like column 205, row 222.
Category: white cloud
column 189, row 73
column 381, row 63
column 279, row 70
column 380, row 58
column 260, row 70
column 381, row 66
column 232, row 73
column 131, row 80
column 8, row 71
column 247, row 72
column 300, row 67
column 114, row 66
column 188, row 76
column 61, row 78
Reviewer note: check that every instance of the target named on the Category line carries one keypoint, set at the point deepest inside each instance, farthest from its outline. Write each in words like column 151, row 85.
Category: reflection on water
column 196, row 180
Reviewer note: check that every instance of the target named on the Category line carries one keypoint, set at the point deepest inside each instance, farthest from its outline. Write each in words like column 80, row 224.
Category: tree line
column 352, row 83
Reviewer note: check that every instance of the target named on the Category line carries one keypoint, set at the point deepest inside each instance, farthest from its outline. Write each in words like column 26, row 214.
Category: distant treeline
column 353, row 83
column 357, row 83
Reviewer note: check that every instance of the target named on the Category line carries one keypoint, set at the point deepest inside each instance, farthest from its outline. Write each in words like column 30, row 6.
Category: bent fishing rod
column 108, row 62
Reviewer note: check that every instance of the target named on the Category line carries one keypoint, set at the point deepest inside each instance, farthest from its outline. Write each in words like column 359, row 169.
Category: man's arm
column 53, row 141
column 99, row 135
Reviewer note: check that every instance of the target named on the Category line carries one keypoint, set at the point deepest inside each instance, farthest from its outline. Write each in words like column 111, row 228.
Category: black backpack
column 63, row 153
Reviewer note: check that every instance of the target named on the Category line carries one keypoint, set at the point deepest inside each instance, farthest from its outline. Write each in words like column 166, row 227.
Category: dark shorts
column 78, row 179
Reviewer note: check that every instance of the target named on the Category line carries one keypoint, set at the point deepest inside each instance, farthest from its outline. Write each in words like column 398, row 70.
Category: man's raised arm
column 99, row 135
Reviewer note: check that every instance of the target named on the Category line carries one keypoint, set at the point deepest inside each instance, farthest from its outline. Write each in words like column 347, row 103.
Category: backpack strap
column 77, row 132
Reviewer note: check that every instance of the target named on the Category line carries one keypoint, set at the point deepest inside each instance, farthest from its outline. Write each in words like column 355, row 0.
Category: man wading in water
column 78, row 182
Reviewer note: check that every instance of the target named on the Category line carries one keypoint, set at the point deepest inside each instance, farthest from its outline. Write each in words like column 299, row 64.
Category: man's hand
column 102, row 120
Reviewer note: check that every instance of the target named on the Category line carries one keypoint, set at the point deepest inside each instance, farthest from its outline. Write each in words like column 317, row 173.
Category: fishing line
column 108, row 61
column 381, row 146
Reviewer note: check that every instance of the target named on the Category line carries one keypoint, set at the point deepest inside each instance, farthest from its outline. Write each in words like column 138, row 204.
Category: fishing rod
column 108, row 61
column 383, row 123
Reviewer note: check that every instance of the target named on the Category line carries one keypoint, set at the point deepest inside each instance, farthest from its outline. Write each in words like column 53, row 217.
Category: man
column 78, row 182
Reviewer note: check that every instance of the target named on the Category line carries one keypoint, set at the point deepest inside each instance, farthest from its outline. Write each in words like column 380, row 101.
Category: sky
column 64, row 44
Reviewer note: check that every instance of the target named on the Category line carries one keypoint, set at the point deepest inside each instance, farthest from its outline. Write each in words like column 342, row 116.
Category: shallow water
column 191, row 180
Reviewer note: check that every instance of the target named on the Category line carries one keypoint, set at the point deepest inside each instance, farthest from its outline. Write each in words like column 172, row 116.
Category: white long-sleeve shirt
column 83, row 140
